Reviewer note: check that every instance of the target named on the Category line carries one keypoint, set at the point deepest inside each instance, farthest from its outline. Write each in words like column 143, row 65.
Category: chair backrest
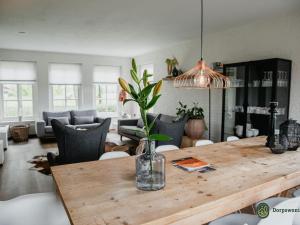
column 232, row 138
column 33, row 209
column 112, row 155
column 164, row 148
column 175, row 130
column 80, row 145
column 203, row 142
column 282, row 218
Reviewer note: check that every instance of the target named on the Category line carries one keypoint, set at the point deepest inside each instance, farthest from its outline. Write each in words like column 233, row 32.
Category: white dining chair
column 296, row 193
column 236, row 219
column 283, row 218
column 164, row 148
column 232, row 138
column 112, row 155
column 203, row 142
column 33, row 209
column 271, row 202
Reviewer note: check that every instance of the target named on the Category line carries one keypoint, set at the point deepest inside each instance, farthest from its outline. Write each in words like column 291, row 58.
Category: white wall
column 87, row 62
column 276, row 37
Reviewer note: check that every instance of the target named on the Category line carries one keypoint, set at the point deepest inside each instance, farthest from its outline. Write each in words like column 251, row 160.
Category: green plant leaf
column 134, row 67
column 153, row 122
column 152, row 102
column 159, row 137
column 145, row 78
column 133, row 92
column 147, row 90
column 128, row 100
column 134, row 76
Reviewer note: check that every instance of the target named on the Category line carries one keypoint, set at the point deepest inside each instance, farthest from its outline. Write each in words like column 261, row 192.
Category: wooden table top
column 104, row 192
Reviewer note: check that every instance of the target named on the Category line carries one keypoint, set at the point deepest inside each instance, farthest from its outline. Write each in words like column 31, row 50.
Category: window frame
column 106, row 113
column 65, row 99
column 19, row 101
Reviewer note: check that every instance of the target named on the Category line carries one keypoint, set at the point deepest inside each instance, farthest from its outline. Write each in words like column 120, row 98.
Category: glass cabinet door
column 234, row 106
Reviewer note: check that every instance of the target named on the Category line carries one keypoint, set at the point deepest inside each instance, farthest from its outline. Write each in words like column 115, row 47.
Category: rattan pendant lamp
column 202, row 76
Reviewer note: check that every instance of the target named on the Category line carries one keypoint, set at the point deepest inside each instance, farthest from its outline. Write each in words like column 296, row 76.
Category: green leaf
column 159, row 137
column 133, row 92
column 147, row 90
column 152, row 102
column 134, row 67
column 145, row 78
column 153, row 122
column 128, row 100
column 134, row 76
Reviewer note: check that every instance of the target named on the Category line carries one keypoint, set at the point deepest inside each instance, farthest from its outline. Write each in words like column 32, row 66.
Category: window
column 17, row 87
column 64, row 80
column 150, row 70
column 106, row 88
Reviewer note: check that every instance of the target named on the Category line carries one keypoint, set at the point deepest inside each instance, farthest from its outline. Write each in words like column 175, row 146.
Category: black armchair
column 76, row 146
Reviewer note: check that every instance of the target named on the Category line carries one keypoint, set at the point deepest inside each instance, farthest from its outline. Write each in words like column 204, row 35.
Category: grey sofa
column 165, row 124
column 75, row 119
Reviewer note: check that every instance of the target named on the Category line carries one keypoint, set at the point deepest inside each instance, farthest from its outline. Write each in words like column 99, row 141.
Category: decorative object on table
column 20, row 133
column 171, row 64
column 290, row 130
column 280, row 143
column 195, row 126
column 202, row 76
column 175, row 72
column 150, row 166
column 272, row 124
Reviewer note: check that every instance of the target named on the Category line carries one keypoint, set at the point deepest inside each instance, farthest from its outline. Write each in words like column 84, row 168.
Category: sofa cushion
column 167, row 118
column 74, row 113
column 83, row 120
column 174, row 130
column 87, row 126
column 140, row 123
column 132, row 130
column 63, row 120
column 55, row 114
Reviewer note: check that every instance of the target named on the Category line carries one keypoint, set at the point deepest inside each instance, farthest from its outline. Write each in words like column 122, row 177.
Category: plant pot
column 195, row 128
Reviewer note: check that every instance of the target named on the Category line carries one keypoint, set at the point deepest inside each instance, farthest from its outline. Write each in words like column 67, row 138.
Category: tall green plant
column 146, row 95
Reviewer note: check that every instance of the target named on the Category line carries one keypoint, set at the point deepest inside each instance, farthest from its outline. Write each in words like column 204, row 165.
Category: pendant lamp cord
column 201, row 51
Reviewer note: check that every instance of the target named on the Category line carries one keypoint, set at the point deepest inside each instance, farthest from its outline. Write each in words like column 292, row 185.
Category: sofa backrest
column 46, row 115
column 167, row 118
column 82, row 113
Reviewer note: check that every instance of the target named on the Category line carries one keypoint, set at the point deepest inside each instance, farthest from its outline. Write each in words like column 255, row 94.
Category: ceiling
column 122, row 27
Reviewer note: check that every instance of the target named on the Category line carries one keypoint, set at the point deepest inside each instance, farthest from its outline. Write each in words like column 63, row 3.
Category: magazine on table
column 192, row 164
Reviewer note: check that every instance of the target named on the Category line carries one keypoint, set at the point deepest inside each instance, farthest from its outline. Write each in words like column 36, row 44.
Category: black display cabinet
column 254, row 85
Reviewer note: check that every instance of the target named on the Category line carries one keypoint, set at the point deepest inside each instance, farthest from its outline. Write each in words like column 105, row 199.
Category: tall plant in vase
column 150, row 166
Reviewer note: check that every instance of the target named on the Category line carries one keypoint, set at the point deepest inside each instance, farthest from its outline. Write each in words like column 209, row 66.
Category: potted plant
column 150, row 166
column 171, row 65
column 195, row 126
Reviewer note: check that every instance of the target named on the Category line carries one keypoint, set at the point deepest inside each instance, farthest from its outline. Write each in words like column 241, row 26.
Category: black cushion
column 175, row 130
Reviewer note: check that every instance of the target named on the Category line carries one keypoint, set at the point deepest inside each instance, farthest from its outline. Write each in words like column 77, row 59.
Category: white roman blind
column 106, row 74
column 11, row 71
column 64, row 73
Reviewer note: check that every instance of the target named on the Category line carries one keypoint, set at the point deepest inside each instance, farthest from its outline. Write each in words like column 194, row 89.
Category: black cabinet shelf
column 254, row 85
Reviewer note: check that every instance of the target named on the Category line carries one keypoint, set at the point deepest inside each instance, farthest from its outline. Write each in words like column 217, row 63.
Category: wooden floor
column 16, row 178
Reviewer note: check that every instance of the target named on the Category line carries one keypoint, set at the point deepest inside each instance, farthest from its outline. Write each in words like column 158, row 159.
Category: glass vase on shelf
column 150, row 168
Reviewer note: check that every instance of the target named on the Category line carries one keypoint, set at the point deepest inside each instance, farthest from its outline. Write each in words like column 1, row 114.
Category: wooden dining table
column 104, row 192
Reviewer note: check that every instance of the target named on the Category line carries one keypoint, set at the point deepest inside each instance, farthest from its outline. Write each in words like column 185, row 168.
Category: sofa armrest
column 129, row 122
column 99, row 120
column 40, row 128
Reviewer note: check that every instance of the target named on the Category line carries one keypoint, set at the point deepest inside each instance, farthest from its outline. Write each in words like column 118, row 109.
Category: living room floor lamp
column 202, row 76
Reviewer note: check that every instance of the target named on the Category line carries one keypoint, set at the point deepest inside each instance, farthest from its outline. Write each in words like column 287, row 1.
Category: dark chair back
column 79, row 145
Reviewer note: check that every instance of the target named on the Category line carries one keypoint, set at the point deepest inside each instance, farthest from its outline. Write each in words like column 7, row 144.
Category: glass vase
column 150, row 168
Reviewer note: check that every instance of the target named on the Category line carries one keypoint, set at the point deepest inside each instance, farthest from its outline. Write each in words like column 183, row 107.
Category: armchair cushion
column 140, row 123
column 40, row 128
column 83, row 120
